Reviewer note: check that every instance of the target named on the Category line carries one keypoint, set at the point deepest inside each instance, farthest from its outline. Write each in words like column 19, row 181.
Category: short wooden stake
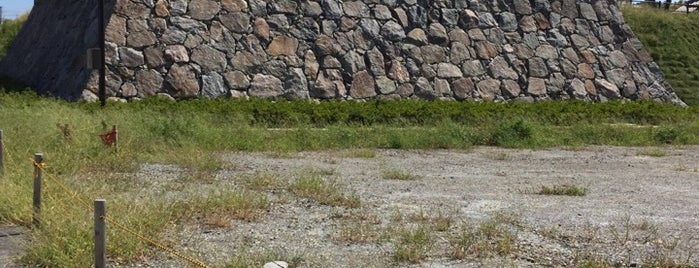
column 2, row 155
column 100, row 233
column 116, row 138
column 38, row 178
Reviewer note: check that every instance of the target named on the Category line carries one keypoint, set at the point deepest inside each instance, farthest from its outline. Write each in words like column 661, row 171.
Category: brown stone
column 486, row 50
column 203, row 9
column 161, row 9
column 148, row 82
column 398, row 72
column 265, row 86
column 177, row 53
column 236, row 80
column 234, row 5
column 363, row 85
column 586, row 71
column 261, row 28
column 141, row 39
column 488, row 89
column 116, row 30
column 154, row 57
column 283, row 46
column 510, row 88
column 463, row 88
column 536, row 87
column 183, row 80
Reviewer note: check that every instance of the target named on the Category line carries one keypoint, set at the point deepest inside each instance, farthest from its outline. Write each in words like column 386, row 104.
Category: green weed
column 569, row 190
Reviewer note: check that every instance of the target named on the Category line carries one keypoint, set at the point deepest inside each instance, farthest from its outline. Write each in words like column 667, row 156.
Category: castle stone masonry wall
column 333, row 49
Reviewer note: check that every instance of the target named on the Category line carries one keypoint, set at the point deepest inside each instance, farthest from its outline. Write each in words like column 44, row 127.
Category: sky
column 13, row 8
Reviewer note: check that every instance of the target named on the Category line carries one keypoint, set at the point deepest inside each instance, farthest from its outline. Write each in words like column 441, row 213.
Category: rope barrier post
column 116, row 138
column 100, row 233
column 2, row 155
column 38, row 174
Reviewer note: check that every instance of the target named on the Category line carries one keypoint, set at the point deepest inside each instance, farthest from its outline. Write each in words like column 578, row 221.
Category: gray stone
column 258, row 8
column 417, row 36
column 522, row 7
column 325, row 88
column 432, row 54
column 355, row 9
column 427, row 71
column 237, row 80
column 392, row 31
column 618, row 59
column 385, row 85
column 372, row 28
column 442, row 87
column 546, row 52
column 402, row 17
column 283, row 6
column 437, row 34
column 508, row 21
column 352, row 62
column 296, row 84
column 212, row 85
column 278, row 22
column 183, row 80
column 331, row 9
column 488, row 89
column 210, row 59
column 177, row 53
column 458, row 35
column 448, row 70
column 577, row 89
column 607, row 89
column 363, row 85
column 500, row 69
column 382, row 12
column 450, row 17
column 130, row 57
column 473, row 68
column 187, row 24
column 459, row 53
column 203, row 9
column 417, row 16
column 423, row 89
column 537, row 67
column 486, row 20
column 178, row 7
column 311, row 8
column 148, row 82
column 588, row 12
column 375, row 61
column 468, row 19
column 238, row 22
column 173, row 36
column 510, row 88
column 245, row 61
column 265, row 86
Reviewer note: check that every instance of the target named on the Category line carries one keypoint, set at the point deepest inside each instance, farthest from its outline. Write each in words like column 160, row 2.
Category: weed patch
column 568, row 190
column 326, row 192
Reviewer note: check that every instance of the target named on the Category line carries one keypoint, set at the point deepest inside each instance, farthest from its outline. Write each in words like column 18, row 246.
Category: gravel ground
column 641, row 207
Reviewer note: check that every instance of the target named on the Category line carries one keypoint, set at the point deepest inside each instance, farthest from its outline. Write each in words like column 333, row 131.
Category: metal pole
column 100, row 233
column 2, row 154
column 116, row 138
column 102, row 67
column 38, row 174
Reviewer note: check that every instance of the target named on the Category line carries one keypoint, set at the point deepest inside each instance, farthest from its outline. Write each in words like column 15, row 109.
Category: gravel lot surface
column 641, row 207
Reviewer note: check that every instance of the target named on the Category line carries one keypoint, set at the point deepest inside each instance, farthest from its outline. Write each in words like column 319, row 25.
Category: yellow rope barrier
column 86, row 206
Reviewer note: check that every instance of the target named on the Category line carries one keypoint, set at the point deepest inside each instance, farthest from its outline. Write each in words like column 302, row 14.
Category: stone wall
column 333, row 49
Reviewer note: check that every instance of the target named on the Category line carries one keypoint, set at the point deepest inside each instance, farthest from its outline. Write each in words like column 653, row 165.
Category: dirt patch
column 477, row 208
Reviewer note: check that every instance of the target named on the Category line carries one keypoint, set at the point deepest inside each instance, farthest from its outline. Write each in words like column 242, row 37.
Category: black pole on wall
column 102, row 67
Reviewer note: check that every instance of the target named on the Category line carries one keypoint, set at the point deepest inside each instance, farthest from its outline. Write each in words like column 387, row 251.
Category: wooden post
column 116, row 138
column 38, row 174
column 2, row 155
column 100, row 233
